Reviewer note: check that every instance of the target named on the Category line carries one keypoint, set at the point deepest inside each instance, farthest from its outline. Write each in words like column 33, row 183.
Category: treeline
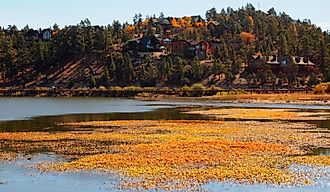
column 236, row 35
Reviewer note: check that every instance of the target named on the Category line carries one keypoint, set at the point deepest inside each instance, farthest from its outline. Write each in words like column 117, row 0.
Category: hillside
column 231, row 48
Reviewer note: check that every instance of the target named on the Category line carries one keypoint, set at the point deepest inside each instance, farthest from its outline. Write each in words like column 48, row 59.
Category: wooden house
column 180, row 47
column 190, row 49
column 214, row 28
column 201, row 49
column 149, row 43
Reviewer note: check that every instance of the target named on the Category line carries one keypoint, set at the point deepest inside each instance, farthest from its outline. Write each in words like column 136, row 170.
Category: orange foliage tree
column 145, row 23
column 247, row 37
column 186, row 21
column 251, row 21
column 175, row 23
column 199, row 24
column 130, row 29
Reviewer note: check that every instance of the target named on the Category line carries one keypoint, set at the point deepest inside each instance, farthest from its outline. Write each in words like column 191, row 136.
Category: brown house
column 201, row 49
column 180, row 47
column 190, row 49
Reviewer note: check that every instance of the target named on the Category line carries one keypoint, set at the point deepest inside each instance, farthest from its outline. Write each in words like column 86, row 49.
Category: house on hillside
column 180, row 48
column 214, row 28
column 46, row 34
column 218, row 29
column 304, row 64
column 166, row 42
column 149, row 43
column 302, row 61
column 201, row 49
column 281, row 63
column 275, row 63
column 165, row 23
column 132, row 45
column 32, row 35
column 196, row 18
column 190, row 49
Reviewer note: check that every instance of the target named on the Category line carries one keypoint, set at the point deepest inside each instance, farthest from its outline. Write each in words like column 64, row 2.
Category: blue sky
column 44, row 13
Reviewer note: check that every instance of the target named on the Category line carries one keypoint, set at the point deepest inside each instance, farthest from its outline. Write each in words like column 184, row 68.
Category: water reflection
column 322, row 151
column 50, row 123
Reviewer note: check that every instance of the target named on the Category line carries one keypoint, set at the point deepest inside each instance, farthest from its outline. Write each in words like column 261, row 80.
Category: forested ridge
column 85, row 55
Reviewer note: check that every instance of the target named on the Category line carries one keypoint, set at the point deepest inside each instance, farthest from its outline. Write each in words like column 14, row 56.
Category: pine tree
column 130, row 74
column 283, row 45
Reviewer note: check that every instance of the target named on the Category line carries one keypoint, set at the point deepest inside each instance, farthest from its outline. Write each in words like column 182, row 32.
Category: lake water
column 24, row 108
column 42, row 114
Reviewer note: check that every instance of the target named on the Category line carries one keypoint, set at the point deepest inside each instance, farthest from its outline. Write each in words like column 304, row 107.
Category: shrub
column 240, row 91
column 102, row 88
column 42, row 88
column 117, row 88
column 198, row 87
column 132, row 88
column 144, row 94
column 149, row 89
column 166, row 89
column 321, row 88
column 214, row 88
column 222, row 93
column 185, row 88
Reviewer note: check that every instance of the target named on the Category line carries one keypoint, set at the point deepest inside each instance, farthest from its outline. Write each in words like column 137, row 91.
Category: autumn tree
column 247, row 38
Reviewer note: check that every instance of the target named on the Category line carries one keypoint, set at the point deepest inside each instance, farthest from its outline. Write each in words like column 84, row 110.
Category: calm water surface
column 23, row 108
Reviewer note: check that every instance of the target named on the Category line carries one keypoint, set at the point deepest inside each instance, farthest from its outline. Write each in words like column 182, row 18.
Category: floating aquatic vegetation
column 6, row 156
column 269, row 114
column 174, row 155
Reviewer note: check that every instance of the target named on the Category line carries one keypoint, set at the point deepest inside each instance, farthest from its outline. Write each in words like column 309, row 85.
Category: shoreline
column 146, row 94
column 323, row 100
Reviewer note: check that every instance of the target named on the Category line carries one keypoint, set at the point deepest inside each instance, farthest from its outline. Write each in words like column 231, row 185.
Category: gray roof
column 164, row 22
